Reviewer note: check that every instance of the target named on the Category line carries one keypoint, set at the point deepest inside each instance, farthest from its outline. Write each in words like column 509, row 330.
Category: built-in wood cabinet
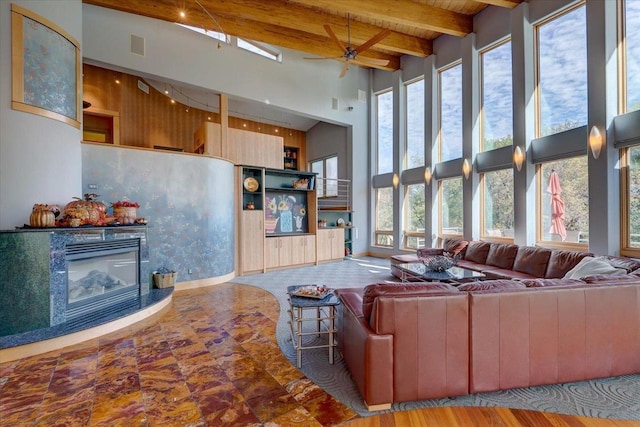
column 303, row 249
column 330, row 244
column 278, row 252
column 255, row 149
column 250, row 241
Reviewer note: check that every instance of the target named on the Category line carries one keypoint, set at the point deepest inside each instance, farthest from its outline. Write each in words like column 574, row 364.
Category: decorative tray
column 311, row 291
column 251, row 184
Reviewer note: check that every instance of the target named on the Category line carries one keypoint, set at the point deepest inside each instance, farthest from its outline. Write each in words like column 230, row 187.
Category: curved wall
column 187, row 199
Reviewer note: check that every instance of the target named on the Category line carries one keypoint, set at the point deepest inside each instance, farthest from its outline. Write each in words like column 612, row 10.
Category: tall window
column 631, row 184
column 415, row 124
column 450, row 202
column 562, row 72
column 497, row 97
column 414, row 216
column 327, row 170
column 631, row 38
column 564, row 209
column 450, row 84
column 384, row 125
column 384, row 217
column 497, row 203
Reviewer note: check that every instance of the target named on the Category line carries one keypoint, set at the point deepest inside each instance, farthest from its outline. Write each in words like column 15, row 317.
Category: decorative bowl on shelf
column 251, row 184
column 438, row 262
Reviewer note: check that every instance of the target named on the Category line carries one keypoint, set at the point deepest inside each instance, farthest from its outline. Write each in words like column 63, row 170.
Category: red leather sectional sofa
column 414, row 341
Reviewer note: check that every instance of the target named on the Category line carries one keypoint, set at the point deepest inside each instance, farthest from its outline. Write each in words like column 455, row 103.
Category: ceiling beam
column 289, row 15
column 402, row 12
column 500, row 3
column 272, row 34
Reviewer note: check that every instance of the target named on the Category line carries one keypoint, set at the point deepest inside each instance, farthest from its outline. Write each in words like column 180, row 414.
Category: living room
column 43, row 161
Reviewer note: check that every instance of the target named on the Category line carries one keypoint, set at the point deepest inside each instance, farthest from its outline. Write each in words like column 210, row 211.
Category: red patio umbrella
column 557, row 206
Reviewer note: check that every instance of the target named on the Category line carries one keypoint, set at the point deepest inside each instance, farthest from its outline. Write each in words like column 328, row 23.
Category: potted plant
column 164, row 278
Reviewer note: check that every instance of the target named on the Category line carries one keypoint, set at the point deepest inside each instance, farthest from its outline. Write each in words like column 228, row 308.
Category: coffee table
column 453, row 275
column 324, row 314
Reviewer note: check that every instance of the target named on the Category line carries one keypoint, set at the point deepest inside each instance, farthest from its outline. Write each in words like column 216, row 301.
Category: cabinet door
column 337, row 243
column 272, row 252
column 324, row 245
column 297, row 249
column 309, row 249
column 285, row 251
column 251, row 238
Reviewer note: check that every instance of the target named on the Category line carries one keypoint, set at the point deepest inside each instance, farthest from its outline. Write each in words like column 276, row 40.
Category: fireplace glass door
column 101, row 273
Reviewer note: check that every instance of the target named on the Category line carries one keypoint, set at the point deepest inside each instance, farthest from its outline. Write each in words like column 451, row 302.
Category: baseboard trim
column 203, row 283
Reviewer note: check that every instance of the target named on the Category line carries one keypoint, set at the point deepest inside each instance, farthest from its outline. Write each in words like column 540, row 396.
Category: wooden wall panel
column 151, row 119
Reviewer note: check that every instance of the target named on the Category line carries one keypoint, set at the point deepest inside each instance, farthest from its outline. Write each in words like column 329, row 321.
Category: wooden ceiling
column 300, row 24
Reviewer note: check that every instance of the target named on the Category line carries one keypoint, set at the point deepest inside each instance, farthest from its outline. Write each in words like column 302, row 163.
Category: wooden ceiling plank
column 500, row 3
column 289, row 15
column 404, row 12
column 280, row 13
column 271, row 34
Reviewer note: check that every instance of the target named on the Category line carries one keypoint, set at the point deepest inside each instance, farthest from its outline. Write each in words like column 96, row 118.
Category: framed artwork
column 45, row 68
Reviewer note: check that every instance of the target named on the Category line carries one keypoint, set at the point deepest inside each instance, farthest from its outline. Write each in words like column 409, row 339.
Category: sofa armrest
column 368, row 355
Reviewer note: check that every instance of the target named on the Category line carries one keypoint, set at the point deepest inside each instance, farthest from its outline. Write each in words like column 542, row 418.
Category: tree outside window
column 632, row 207
column 384, row 217
column 450, row 203
column 562, row 72
column 497, row 197
column 574, row 183
column 497, row 97
column 450, row 113
column 414, row 216
column 414, row 156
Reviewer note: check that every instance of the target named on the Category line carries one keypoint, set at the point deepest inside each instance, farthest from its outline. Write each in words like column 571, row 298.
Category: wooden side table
column 324, row 315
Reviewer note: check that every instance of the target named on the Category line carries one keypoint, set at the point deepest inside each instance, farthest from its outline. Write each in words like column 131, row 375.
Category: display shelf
column 252, row 200
column 291, row 155
column 332, row 216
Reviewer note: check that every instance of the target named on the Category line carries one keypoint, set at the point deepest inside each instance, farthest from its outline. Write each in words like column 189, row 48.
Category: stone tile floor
column 210, row 359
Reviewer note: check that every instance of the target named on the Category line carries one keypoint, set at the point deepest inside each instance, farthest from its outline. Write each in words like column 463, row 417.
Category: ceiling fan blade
column 335, row 38
column 372, row 61
column 326, row 57
column 373, row 40
column 345, row 68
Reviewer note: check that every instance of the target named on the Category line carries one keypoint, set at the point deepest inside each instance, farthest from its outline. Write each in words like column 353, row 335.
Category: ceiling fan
column 350, row 53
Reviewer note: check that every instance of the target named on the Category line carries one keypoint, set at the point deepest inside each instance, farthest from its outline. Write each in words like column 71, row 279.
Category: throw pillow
column 593, row 265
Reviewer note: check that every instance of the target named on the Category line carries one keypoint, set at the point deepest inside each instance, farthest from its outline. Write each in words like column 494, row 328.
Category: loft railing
column 334, row 194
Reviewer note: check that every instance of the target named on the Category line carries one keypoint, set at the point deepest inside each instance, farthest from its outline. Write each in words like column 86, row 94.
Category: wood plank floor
column 482, row 417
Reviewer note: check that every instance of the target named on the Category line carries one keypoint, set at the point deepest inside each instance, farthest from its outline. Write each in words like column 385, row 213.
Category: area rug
column 616, row 398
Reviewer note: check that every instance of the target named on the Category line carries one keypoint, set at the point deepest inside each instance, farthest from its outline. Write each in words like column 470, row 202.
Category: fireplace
column 101, row 276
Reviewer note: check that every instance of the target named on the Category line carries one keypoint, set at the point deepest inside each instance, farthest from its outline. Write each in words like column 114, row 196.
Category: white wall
column 40, row 158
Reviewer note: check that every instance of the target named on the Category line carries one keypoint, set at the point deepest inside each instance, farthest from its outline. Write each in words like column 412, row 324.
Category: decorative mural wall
column 188, row 201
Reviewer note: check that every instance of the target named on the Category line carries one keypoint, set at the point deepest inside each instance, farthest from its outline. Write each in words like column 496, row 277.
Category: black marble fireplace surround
column 34, row 301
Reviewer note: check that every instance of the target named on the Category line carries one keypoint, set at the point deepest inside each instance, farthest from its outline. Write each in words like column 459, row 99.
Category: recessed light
column 173, row 101
column 244, row 125
column 182, row 14
column 117, row 81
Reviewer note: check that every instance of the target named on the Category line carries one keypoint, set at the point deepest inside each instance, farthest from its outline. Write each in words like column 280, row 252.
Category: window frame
column 483, row 235
column 536, row 68
column 495, row 45
column 405, row 218
column 322, row 181
column 377, row 231
column 441, row 234
column 439, row 76
column 377, row 129
column 406, row 124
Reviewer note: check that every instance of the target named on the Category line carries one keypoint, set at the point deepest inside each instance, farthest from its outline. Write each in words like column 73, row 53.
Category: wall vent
column 137, row 45
column 143, row 87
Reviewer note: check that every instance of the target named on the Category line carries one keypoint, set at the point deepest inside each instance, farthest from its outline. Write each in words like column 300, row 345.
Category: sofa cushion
column 562, row 261
column 629, row 264
column 502, row 255
column 491, row 285
column 546, row 283
column 611, row 278
column 503, row 273
column 593, row 265
column 454, row 246
column 532, row 260
column 371, row 292
column 477, row 252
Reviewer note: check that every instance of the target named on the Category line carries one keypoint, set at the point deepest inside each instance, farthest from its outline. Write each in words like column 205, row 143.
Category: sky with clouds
column 562, row 84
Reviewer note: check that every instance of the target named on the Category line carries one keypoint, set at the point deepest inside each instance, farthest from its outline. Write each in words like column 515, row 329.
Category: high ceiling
column 301, row 24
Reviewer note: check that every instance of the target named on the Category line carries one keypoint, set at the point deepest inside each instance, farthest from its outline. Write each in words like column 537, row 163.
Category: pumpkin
column 87, row 210
column 41, row 216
